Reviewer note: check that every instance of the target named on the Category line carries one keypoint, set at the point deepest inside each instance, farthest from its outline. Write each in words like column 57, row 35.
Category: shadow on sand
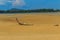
column 26, row 24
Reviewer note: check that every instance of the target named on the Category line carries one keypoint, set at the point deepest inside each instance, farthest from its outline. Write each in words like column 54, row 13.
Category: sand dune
column 42, row 29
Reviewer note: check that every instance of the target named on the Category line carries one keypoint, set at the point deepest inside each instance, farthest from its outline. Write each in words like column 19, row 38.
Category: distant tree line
column 28, row 11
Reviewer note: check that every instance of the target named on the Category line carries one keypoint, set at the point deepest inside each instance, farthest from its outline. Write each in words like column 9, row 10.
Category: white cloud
column 14, row 2
column 18, row 3
column 9, row 1
column 2, row 2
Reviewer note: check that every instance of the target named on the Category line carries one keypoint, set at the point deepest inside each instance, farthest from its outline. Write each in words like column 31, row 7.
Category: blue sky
column 29, row 4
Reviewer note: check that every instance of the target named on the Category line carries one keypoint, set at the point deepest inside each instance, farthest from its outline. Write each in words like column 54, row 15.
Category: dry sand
column 43, row 27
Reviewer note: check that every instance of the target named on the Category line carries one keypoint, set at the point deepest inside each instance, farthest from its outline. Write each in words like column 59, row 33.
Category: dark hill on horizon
column 15, row 10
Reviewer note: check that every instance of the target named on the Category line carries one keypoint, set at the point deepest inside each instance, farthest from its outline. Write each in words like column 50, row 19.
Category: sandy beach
column 43, row 28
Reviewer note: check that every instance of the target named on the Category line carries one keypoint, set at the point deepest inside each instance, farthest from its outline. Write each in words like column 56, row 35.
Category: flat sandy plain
column 43, row 27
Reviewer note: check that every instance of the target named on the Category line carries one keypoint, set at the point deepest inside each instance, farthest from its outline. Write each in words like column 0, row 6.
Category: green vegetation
column 14, row 10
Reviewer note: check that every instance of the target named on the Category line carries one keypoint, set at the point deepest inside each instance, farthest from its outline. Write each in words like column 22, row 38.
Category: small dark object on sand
column 56, row 25
column 21, row 23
